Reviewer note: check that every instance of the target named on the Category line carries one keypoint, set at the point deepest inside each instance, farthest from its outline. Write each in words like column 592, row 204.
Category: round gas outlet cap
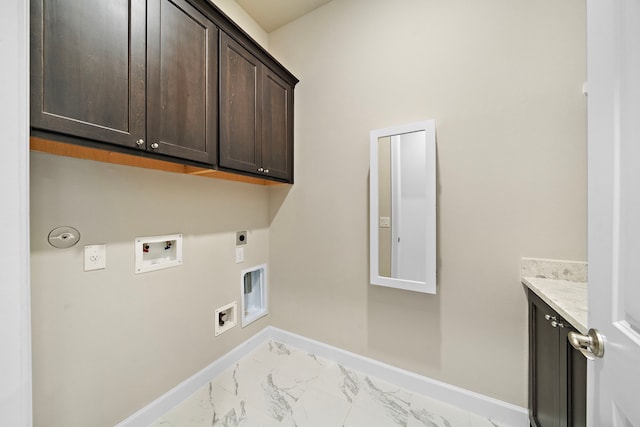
column 64, row 237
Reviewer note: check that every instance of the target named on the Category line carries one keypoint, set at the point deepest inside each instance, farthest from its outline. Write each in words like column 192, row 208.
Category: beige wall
column 108, row 342
column 503, row 81
column 240, row 17
column 501, row 78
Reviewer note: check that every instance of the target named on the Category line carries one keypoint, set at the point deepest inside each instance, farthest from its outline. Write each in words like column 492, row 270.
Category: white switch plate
column 95, row 257
column 239, row 255
column 385, row 222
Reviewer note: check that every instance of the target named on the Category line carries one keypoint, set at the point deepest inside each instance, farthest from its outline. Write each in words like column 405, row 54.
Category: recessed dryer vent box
column 158, row 252
column 253, row 284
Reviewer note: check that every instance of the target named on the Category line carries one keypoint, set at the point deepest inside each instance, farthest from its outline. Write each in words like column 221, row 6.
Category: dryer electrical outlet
column 241, row 238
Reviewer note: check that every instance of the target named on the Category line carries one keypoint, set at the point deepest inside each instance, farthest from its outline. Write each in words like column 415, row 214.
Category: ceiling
column 273, row 14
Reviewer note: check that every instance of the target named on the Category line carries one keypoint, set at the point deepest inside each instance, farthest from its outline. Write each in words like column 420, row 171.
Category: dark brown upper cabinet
column 88, row 69
column 171, row 80
column 116, row 73
column 256, row 115
column 182, row 81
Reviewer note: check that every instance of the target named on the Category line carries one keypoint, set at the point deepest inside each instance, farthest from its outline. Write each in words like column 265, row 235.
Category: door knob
column 590, row 345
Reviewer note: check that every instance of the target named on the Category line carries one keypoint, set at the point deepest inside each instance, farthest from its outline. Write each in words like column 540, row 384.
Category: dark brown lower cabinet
column 557, row 372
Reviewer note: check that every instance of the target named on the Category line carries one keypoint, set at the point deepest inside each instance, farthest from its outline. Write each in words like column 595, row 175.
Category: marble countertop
column 568, row 298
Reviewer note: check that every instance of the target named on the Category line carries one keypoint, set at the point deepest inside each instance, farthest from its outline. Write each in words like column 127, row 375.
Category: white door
column 15, row 337
column 613, row 52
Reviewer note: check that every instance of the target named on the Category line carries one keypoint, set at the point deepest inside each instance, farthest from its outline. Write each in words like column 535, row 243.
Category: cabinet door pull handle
column 549, row 317
column 260, row 170
column 266, row 171
column 140, row 142
column 557, row 324
column 155, row 145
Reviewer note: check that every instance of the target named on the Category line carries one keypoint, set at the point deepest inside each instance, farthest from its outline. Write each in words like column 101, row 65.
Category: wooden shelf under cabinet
column 106, row 156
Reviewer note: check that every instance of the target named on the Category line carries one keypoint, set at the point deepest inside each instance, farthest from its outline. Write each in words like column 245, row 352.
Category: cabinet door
column 544, row 368
column 88, row 69
column 277, row 126
column 575, row 392
column 240, row 120
column 182, row 54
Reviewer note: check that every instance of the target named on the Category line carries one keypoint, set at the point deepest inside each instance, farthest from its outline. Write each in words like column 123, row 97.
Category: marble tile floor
column 278, row 385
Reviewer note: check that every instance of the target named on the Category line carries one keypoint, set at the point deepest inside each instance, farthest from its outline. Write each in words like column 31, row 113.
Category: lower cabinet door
column 576, row 388
column 544, row 366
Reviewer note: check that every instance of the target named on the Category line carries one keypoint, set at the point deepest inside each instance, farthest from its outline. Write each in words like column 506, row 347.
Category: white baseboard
column 497, row 410
column 154, row 410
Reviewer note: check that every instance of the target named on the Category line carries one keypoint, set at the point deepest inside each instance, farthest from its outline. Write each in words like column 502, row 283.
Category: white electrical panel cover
column 158, row 252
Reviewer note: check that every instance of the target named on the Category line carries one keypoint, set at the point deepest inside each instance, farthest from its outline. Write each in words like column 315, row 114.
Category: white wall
column 15, row 339
column 503, row 81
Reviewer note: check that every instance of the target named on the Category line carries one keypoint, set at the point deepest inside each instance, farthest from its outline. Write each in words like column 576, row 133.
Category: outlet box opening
column 225, row 318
